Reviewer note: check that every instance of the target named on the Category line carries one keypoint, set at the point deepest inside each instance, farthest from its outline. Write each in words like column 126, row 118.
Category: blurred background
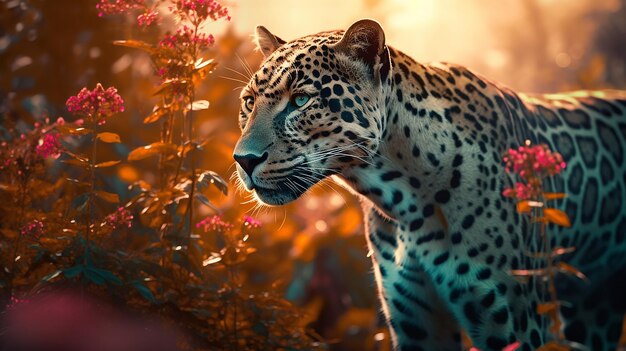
column 312, row 250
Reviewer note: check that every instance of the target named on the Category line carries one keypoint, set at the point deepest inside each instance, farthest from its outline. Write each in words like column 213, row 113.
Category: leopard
column 421, row 146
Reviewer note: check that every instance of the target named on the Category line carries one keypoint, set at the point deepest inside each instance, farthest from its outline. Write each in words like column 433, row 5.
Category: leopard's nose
column 250, row 161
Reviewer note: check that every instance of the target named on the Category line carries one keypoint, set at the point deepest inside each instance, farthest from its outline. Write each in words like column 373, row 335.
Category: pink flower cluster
column 522, row 191
column 202, row 9
column 119, row 219
column 49, row 146
column 111, row 7
column 147, row 18
column 34, row 229
column 531, row 163
column 251, row 222
column 96, row 103
column 186, row 37
column 214, row 223
column 14, row 302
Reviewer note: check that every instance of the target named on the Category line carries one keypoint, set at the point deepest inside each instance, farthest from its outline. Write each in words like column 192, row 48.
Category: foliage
column 139, row 248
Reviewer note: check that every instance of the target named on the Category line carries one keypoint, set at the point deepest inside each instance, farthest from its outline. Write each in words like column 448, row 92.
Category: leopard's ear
column 267, row 42
column 365, row 40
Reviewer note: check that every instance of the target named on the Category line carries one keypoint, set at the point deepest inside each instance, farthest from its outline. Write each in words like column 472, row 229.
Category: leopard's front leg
column 418, row 318
column 433, row 280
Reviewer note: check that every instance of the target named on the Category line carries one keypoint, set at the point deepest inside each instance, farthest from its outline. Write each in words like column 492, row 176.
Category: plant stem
column 547, row 249
column 90, row 208
column 233, row 285
column 16, row 244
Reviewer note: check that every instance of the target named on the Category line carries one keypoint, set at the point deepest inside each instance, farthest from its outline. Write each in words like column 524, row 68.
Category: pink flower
column 214, row 223
column 185, row 38
column 522, row 191
column 49, row 146
column 119, row 219
column 111, row 7
column 531, row 163
column 147, row 18
column 534, row 161
column 34, row 229
column 97, row 103
column 202, row 9
column 251, row 222
column 14, row 302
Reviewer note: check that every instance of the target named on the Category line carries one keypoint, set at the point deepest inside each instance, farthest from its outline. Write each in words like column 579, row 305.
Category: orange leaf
column 558, row 251
column 557, row 217
column 566, row 268
column 523, row 206
column 554, row 196
column 106, row 196
column 106, row 164
column 528, row 272
column 156, row 114
column 70, row 130
column 136, row 44
column 109, row 137
column 151, row 150
column 544, row 308
column 442, row 218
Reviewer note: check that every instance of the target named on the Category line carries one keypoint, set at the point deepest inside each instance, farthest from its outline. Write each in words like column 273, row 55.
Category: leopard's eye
column 248, row 103
column 299, row 99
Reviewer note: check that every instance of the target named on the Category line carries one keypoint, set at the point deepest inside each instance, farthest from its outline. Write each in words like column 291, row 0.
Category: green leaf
column 103, row 274
column 93, row 277
column 109, row 137
column 198, row 105
column 73, row 272
column 107, row 164
column 152, row 150
column 80, row 201
column 108, row 197
column 144, row 291
column 209, row 177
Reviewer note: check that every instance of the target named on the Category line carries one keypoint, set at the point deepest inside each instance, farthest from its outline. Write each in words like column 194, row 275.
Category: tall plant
column 533, row 165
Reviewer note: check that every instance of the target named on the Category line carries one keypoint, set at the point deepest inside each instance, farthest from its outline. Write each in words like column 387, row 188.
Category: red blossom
column 522, row 191
column 97, row 103
column 49, row 146
column 14, row 302
column 112, row 7
column 251, row 222
column 214, row 223
column 119, row 219
column 147, row 18
column 34, row 229
column 201, row 10
column 533, row 161
column 185, row 38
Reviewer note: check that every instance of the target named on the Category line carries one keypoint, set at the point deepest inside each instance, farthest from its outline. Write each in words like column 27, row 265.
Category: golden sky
column 487, row 35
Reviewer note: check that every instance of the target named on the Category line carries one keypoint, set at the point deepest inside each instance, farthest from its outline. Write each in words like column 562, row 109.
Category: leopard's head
column 314, row 108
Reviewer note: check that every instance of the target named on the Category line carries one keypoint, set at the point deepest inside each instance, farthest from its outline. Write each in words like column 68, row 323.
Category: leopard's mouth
column 289, row 187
